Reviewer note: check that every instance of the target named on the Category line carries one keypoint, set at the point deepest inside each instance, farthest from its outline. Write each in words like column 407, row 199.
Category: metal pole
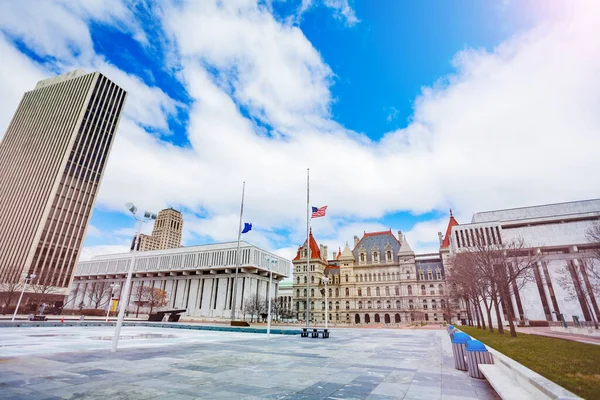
column 237, row 261
column 19, row 302
column 125, row 293
column 269, row 300
column 108, row 307
column 326, row 304
column 307, row 246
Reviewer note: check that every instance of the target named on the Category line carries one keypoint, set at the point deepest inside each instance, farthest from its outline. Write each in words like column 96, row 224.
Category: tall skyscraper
column 52, row 159
column 166, row 233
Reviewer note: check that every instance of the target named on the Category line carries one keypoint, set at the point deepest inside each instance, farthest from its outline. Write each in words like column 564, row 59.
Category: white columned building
column 199, row 279
column 558, row 232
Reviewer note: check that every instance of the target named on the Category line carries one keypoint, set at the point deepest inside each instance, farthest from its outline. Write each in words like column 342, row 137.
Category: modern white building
column 199, row 279
column 558, row 232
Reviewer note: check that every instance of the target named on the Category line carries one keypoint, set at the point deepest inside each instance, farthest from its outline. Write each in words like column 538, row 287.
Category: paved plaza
column 159, row 363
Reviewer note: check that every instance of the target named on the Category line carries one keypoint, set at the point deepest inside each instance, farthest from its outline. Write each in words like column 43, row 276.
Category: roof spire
column 450, row 212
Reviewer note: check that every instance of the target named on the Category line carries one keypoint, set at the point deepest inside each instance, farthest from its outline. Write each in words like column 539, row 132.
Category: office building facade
column 166, row 233
column 52, row 159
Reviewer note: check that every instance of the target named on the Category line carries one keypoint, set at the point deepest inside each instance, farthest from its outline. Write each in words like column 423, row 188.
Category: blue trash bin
column 459, row 342
column 477, row 354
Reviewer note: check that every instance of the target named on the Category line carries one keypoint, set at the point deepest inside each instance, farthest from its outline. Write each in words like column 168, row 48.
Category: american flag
column 318, row 212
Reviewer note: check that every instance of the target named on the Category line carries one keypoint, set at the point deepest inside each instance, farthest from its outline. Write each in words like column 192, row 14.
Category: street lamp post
column 113, row 287
column 26, row 279
column 270, row 262
column 148, row 216
column 325, row 280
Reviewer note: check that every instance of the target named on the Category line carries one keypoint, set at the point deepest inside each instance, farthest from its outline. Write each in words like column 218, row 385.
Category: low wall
column 50, row 324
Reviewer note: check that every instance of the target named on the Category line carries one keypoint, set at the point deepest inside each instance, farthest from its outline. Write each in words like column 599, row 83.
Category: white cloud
column 512, row 127
column 91, row 251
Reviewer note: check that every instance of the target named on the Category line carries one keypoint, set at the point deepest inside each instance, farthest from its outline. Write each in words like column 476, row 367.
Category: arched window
column 360, row 305
column 312, row 305
column 337, row 292
column 375, row 257
column 369, row 304
column 298, row 279
column 330, row 292
column 377, row 291
column 411, row 305
column 378, row 304
column 429, row 274
column 433, row 304
column 297, row 292
column 362, row 258
column 312, row 279
column 330, row 305
column 304, row 292
column 387, row 290
column 337, row 305
column 368, row 291
column 347, row 292
column 397, row 291
column 423, row 290
column 388, row 256
column 431, row 290
column 407, row 274
column 409, row 289
column 305, row 279
column 312, row 292
column 438, row 274
column 397, row 303
column 442, row 304
column 347, row 305
column 424, row 304
column 421, row 275
column 322, row 305
column 440, row 289
column 388, row 304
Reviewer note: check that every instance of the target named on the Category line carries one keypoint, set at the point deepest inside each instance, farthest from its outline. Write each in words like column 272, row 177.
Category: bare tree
column 140, row 297
column 97, row 292
column 155, row 297
column 9, row 292
column 254, row 305
column 579, row 281
column 500, row 268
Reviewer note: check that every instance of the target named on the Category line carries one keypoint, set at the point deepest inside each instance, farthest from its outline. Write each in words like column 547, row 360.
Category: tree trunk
column 511, row 323
column 488, row 310
column 480, row 313
column 137, row 311
column 498, row 317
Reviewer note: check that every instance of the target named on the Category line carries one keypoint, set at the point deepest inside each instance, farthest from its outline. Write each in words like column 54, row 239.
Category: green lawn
column 573, row 365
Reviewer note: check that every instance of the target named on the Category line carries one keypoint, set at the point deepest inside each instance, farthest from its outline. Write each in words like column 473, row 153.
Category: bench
column 503, row 384
column 323, row 332
column 173, row 315
column 38, row 318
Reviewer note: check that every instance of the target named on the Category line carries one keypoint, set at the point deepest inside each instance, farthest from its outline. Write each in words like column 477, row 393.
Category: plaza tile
column 373, row 364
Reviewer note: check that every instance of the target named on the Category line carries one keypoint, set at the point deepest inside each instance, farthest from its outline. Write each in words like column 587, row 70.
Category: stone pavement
column 155, row 363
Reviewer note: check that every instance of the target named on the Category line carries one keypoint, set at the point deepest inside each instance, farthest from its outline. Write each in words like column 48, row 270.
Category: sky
column 401, row 110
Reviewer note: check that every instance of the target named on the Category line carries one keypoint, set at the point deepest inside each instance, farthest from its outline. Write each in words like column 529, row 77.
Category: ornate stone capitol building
column 379, row 281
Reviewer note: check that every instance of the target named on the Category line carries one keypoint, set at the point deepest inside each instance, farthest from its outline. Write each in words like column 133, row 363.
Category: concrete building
column 380, row 281
column 196, row 278
column 52, row 159
column 166, row 233
column 558, row 233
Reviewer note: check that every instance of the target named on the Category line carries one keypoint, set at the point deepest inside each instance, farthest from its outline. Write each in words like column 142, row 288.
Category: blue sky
column 397, row 107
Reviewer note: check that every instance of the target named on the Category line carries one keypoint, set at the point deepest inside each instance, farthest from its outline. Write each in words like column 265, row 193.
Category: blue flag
column 247, row 227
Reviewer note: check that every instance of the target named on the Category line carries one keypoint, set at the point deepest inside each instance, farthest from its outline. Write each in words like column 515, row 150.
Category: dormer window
column 421, row 275
column 429, row 275
column 362, row 257
column 388, row 256
column 375, row 257
column 438, row 274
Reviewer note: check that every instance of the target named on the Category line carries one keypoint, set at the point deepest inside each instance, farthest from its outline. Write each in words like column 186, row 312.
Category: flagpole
column 307, row 246
column 237, row 261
